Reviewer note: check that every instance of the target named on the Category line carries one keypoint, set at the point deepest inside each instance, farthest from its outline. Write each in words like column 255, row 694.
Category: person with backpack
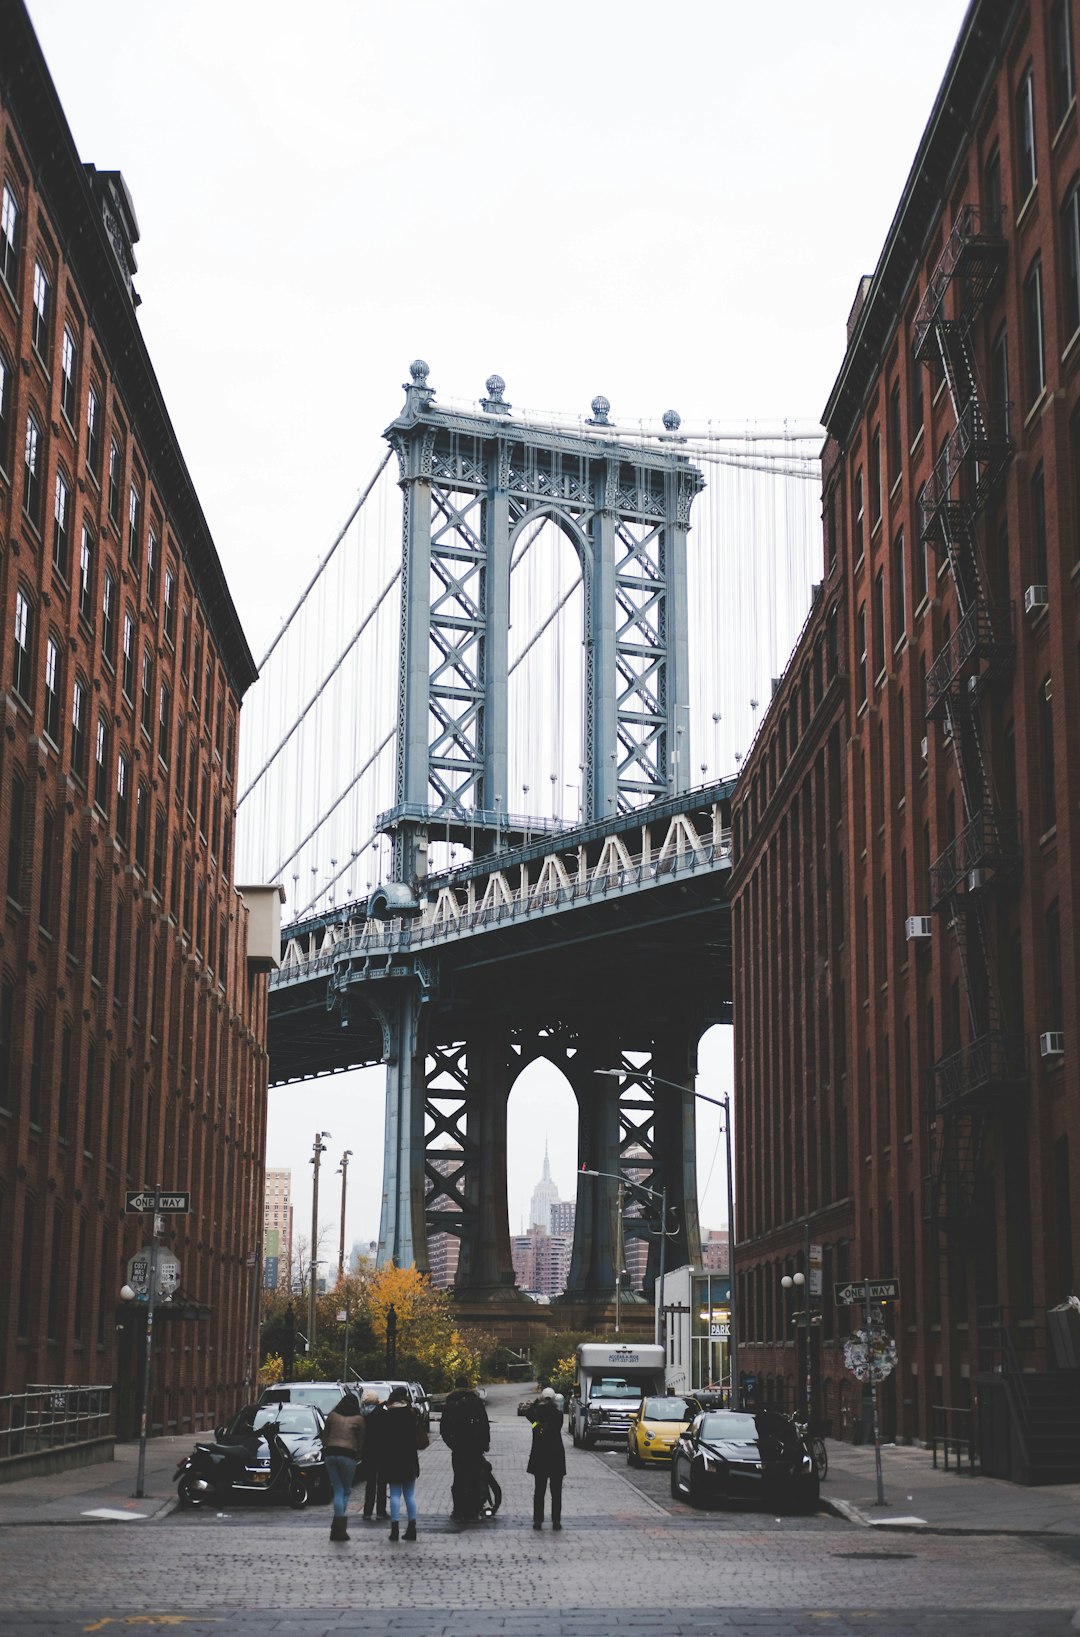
column 547, row 1458
column 402, row 1435
column 465, row 1429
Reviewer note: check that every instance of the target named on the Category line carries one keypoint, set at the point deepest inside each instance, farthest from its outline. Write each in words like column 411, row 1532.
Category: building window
column 1046, row 747
column 23, row 668
column 97, row 928
column 68, row 359
column 1061, row 59
column 108, row 618
column 164, row 701
column 1038, row 528
column 53, row 681
column 857, row 501
column 134, row 520
column 39, row 318
column 127, row 656
column 230, row 746
column 1033, row 332
column 114, row 481
column 86, row 576
column 6, row 395
column 122, row 798
column 992, row 201
column 63, row 1095
column 142, row 825
column 896, row 434
column 29, row 1273
column 15, row 837
column 159, row 854
column 1025, row 132
column 33, row 466
column 196, row 676
column 9, row 239
column 93, row 430
column 73, row 905
column 1055, row 988
column 1070, row 249
column 899, row 590
column 146, row 709
column 78, row 728
column 860, row 661
column 999, row 379
column 45, row 879
column 61, row 525
column 151, row 568
column 917, row 405
column 875, row 478
column 170, row 605
column 879, row 623
column 101, row 764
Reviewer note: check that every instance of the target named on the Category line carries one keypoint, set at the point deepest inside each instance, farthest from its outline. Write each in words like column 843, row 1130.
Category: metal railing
column 952, row 1430
column 990, row 840
column 971, row 224
column 44, row 1417
column 992, row 1060
column 986, row 631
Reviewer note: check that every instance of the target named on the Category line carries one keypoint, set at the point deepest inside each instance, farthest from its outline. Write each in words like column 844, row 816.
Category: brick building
column 277, row 1229
column 132, row 1014
column 907, row 824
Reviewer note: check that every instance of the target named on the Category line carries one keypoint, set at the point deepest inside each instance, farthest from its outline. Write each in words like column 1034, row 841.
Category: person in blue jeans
column 343, row 1445
column 400, row 1436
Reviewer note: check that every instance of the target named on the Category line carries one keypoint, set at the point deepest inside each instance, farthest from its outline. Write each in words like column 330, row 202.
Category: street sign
column 172, row 1204
column 854, row 1290
column 720, row 1331
column 870, row 1356
column 168, row 1272
column 816, row 1260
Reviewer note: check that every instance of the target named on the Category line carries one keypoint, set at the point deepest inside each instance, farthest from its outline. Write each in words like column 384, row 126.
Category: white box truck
column 612, row 1379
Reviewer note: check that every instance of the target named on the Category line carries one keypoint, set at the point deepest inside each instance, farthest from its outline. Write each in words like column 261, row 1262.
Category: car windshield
column 729, row 1425
column 289, row 1417
column 616, row 1389
column 327, row 1395
column 666, row 1409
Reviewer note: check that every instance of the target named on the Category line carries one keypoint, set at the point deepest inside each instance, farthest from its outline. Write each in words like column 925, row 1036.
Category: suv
column 325, row 1395
column 610, row 1408
column 418, row 1398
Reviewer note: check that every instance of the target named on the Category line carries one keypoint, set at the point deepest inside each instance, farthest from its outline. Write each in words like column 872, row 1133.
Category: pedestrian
column 547, row 1458
column 402, row 1435
column 343, row 1443
column 371, row 1408
column 465, row 1429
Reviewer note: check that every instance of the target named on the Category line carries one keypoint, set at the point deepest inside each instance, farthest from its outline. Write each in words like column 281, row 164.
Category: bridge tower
column 471, row 483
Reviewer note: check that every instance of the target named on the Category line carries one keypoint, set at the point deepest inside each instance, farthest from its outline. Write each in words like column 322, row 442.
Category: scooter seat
column 236, row 1452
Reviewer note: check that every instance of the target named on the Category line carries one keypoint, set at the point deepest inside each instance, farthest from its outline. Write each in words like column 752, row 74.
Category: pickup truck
column 611, row 1382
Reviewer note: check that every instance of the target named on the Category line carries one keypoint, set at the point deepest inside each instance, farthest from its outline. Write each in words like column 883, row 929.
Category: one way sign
column 881, row 1290
column 174, row 1204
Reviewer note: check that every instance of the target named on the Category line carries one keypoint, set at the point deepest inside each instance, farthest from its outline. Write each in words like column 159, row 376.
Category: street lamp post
column 725, row 1104
column 319, row 1148
column 343, row 1172
column 661, row 1195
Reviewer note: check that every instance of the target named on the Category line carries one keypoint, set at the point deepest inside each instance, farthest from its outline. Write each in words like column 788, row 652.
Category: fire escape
column 970, row 1085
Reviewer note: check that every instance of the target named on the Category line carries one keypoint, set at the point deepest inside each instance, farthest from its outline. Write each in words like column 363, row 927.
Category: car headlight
column 310, row 1457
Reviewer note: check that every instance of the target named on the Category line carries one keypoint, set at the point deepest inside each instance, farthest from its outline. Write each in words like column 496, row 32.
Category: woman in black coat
column 398, row 1460
column 547, row 1458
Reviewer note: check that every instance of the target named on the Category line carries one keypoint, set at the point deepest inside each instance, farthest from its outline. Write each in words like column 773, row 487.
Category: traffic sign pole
column 873, row 1398
column 140, row 1481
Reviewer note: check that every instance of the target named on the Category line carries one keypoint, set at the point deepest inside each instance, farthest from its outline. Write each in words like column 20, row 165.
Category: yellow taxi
column 654, row 1431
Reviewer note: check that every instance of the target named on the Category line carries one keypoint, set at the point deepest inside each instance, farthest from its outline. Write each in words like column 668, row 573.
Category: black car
column 301, row 1428
column 739, row 1455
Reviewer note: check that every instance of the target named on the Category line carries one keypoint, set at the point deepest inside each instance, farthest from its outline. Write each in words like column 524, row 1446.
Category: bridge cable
column 326, row 681
column 336, row 803
column 340, row 537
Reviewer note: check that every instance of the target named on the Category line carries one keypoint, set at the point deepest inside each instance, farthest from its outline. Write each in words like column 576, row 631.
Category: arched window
column 108, row 618
column 123, row 798
column 7, row 394
column 101, row 764
column 142, row 825
column 86, row 575
column 54, row 680
column 69, row 357
column 127, row 656
column 79, row 712
column 23, row 659
column 61, row 525
column 33, row 469
column 10, row 219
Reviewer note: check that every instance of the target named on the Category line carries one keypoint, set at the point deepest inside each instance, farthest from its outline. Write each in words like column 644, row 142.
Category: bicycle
column 816, row 1446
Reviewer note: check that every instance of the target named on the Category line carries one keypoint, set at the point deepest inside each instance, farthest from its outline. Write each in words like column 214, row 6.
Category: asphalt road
column 630, row 1562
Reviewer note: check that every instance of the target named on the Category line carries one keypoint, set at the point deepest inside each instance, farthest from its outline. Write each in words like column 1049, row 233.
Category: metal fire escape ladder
column 966, row 1083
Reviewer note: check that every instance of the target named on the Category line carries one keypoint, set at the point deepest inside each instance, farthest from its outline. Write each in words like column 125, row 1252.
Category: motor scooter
column 212, row 1472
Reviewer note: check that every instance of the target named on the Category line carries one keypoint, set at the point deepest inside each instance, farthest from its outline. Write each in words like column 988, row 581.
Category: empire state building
column 545, row 1195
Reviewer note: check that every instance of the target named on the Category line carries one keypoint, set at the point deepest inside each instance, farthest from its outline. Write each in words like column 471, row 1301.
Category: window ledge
column 895, row 490
column 1047, row 838
column 1035, row 409
column 1029, row 203
column 1066, row 119
column 916, row 441
column 1071, row 345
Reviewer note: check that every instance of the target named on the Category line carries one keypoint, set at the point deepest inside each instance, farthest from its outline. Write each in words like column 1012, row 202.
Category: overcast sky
column 669, row 205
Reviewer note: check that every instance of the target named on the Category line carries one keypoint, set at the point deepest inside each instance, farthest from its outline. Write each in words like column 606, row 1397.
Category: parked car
column 252, row 1465
column 656, row 1428
column 323, row 1394
column 418, row 1397
column 738, row 1455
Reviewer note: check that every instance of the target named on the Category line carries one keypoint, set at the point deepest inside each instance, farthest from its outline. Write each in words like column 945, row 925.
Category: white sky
column 671, row 206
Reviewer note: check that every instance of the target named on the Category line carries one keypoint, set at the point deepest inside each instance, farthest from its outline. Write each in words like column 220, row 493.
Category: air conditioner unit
column 1035, row 597
column 973, row 684
column 924, row 748
column 946, row 729
column 918, row 926
column 1052, row 1044
column 975, row 880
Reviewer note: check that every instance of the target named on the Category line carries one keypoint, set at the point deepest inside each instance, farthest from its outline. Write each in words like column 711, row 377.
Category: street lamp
column 319, row 1148
column 725, row 1104
column 801, row 1281
column 653, row 1193
column 343, row 1172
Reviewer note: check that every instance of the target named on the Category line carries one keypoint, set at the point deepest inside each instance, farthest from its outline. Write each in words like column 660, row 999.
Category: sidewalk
column 920, row 1497
column 101, row 1493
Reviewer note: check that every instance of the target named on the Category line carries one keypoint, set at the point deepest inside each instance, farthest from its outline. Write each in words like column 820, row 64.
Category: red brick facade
column 951, row 486
column 131, row 1028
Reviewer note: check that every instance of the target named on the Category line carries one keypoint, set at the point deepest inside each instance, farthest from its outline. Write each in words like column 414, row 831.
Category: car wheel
column 587, row 1442
column 298, row 1493
column 632, row 1457
column 674, row 1481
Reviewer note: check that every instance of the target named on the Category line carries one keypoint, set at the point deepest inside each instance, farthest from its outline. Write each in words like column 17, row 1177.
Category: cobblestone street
column 629, row 1560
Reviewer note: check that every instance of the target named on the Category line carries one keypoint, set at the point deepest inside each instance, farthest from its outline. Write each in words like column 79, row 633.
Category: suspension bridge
column 470, row 761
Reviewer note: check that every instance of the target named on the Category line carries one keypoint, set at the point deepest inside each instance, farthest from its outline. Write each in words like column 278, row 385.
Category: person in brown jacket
column 343, row 1445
